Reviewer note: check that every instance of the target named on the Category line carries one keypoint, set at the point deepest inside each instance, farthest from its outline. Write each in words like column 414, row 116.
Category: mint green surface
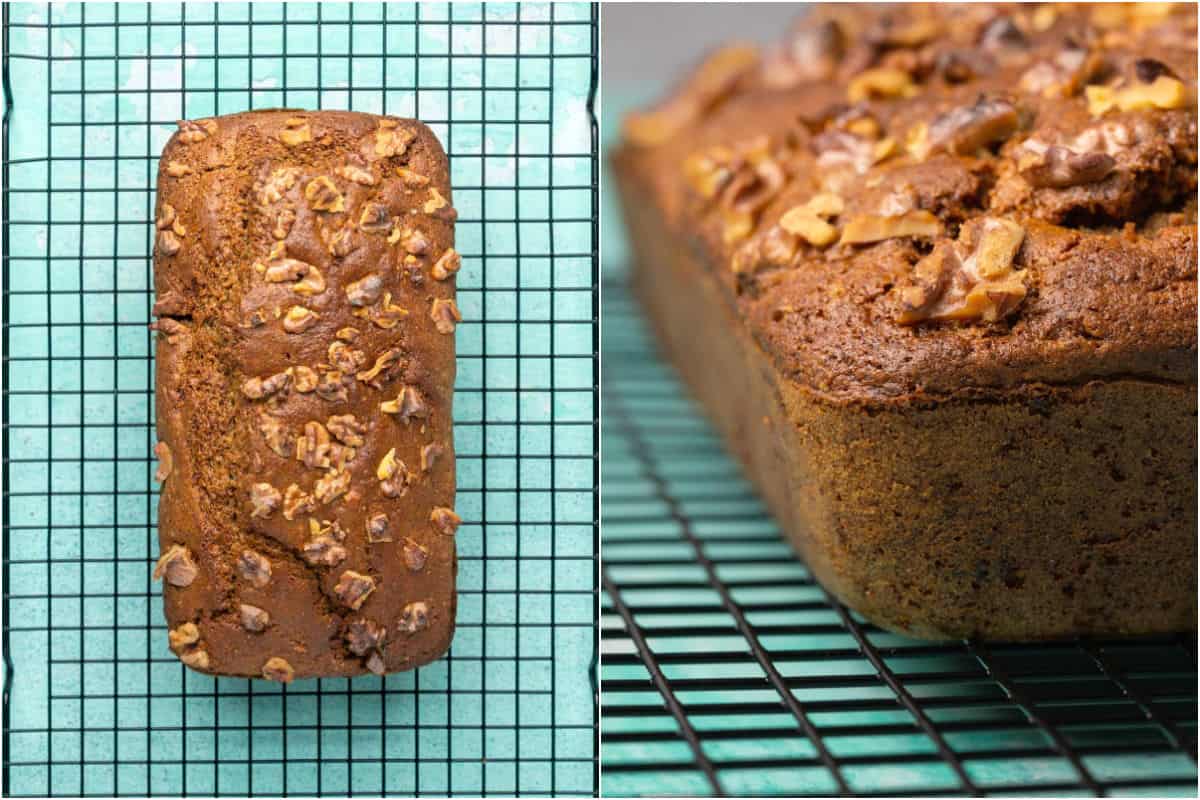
column 98, row 705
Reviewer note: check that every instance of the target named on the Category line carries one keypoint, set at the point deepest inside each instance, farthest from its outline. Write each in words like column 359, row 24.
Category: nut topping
column 430, row 453
column 408, row 405
column 313, row 447
column 393, row 475
column 178, row 170
column 445, row 315
column 195, row 658
column 254, row 569
column 445, row 520
column 983, row 286
column 869, row 228
column 176, row 566
column 344, row 358
column 276, row 434
column 415, row 555
column 375, row 218
column 278, row 669
column 276, row 185
column 365, row 291
column 1164, row 92
column 347, row 429
column 329, row 488
column 168, row 243
column 1057, row 167
column 284, row 220
column 191, row 132
column 312, row 283
column 165, row 461
column 967, row 129
column 342, row 243
column 305, row 379
column 386, row 314
column 363, row 636
column 384, row 363
column 186, row 634
column 377, row 528
column 299, row 319
column 295, row 131
column 283, row 270
column 414, row 242
column 808, row 220
column 258, row 388
column 353, row 587
column 297, row 502
column 264, row 500
column 331, row 387
column 414, row 618
column 356, row 174
column 254, row 619
column 323, row 195
column 811, row 53
column 392, row 141
column 447, row 265
column 324, row 550
column 880, row 83
column 413, row 180
column 348, row 334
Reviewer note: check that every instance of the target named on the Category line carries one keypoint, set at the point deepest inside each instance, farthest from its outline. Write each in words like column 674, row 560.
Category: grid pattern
column 727, row 670
column 95, row 702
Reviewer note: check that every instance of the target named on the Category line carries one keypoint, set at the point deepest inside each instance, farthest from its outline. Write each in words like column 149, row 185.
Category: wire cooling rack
column 95, row 703
column 726, row 670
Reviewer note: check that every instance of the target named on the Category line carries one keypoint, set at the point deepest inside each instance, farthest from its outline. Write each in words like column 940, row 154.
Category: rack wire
column 727, row 670
column 95, row 704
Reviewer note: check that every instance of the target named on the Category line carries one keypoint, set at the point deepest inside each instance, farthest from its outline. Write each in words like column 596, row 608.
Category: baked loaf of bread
column 948, row 259
column 304, row 270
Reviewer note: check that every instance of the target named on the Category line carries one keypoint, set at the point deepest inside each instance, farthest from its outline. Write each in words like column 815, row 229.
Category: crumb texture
column 304, row 390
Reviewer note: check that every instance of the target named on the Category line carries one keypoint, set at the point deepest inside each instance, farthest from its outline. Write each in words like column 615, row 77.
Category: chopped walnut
column 313, row 283
column 299, row 319
column 393, row 475
column 191, row 131
column 356, row 174
column 295, row 131
column 387, row 314
column 438, row 206
column 276, row 185
column 1164, row 92
column 284, row 219
column 254, row 568
column 331, row 387
column 305, row 379
column 365, row 290
column 284, row 270
column 276, row 434
column 445, row 315
column 166, row 217
column 165, row 461
column 377, row 528
column 386, row 364
column 392, row 141
column 254, row 619
column 811, row 53
column 430, row 453
column 183, row 636
column 264, row 500
column 414, row 618
column 408, row 405
column 1063, row 75
column 375, row 218
column 445, row 520
column 258, row 388
column 329, row 488
column 178, row 170
column 348, row 334
column 324, row 550
column 869, row 228
column 278, row 669
column 808, row 220
column 176, row 566
column 353, row 587
column 414, row 242
column 297, row 502
column 966, row 129
column 411, row 179
column 447, row 265
column 168, row 243
column 1058, row 166
column 415, row 555
column 195, row 658
column 880, row 83
column 344, row 358
column 323, row 195
column 982, row 286
column 313, row 447
column 364, row 636
column 347, row 429
column 342, row 243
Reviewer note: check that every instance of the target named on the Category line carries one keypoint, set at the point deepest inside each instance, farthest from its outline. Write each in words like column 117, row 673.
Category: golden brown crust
column 1076, row 123
column 290, row 311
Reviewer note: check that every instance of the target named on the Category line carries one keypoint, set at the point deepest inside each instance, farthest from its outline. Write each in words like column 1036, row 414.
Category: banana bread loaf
column 304, row 272
column 948, row 259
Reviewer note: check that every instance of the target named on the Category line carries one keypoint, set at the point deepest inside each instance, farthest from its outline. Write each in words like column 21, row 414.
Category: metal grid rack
column 726, row 670
column 95, row 704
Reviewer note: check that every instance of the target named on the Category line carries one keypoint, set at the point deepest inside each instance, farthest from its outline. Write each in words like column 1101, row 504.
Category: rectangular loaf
column 956, row 294
column 304, row 277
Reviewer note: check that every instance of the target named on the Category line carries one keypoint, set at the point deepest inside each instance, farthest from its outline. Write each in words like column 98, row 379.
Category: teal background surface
column 97, row 704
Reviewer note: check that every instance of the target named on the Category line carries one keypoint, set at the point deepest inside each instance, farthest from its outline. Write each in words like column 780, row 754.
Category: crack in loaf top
column 305, row 293
column 912, row 202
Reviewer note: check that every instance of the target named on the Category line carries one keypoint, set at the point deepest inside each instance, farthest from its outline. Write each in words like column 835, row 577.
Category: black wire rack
column 94, row 702
column 726, row 670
